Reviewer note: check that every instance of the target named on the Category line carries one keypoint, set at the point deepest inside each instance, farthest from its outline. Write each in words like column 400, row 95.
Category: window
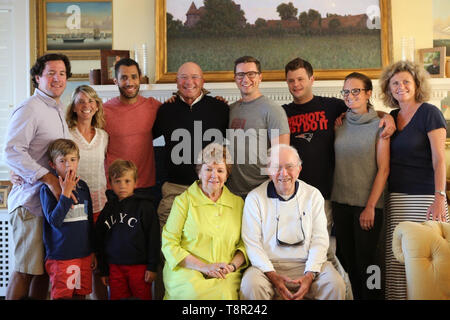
column 6, row 80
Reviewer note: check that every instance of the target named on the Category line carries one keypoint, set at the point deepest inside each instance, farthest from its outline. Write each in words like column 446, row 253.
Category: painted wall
column 412, row 18
column 134, row 23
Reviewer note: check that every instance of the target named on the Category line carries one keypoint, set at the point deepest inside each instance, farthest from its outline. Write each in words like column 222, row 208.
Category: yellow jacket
column 211, row 231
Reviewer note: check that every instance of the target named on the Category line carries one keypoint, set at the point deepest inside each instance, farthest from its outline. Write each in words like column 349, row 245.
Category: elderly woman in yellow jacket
column 201, row 241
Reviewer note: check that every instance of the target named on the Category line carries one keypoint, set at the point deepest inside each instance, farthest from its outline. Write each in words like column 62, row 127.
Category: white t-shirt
column 91, row 167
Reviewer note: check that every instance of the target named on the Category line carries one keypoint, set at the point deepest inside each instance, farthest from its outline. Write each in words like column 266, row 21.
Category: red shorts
column 69, row 277
column 127, row 281
column 95, row 216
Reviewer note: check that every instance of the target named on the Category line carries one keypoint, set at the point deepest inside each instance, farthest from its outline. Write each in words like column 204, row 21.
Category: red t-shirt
column 129, row 127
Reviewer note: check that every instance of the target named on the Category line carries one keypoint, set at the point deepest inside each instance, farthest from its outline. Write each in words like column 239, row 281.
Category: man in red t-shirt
column 129, row 122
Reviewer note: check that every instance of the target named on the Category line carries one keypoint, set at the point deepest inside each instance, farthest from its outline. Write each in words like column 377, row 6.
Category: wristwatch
column 314, row 274
column 442, row 193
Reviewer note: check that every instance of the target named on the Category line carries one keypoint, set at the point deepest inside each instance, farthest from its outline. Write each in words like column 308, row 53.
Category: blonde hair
column 98, row 120
column 62, row 147
column 214, row 153
column 419, row 75
column 118, row 168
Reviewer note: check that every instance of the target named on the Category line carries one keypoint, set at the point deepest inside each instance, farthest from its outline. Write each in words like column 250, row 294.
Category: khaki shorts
column 169, row 192
column 29, row 245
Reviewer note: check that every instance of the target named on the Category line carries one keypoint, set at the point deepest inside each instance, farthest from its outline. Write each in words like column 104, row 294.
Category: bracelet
column 442, row 193
column 234, row 266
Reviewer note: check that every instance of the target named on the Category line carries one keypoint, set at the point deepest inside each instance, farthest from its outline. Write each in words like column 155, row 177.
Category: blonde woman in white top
column 85, row 120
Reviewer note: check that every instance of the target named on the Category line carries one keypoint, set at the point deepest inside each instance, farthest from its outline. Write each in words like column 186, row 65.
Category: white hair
column 275, row 151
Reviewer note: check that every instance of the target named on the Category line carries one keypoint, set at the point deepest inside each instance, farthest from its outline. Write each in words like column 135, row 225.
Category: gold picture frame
column 428, row 58
column 108, row 60
column 447, row 67
column 4, row 190
column 42, row 36
column 163, row 76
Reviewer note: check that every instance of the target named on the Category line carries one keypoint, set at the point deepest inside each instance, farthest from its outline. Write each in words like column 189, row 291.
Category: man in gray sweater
column 257, row 123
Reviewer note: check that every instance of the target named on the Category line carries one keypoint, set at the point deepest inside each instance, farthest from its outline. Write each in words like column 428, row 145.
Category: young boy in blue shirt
column 68, row 226
column 128, row 236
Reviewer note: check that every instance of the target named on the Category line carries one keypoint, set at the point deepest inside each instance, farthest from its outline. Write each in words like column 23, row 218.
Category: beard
column 124, row 93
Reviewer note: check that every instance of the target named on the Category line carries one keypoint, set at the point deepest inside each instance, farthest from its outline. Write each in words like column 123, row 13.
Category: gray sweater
column 356, row 162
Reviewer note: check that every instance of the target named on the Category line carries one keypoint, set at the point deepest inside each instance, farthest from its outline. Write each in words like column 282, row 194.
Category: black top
column 411, row 162
column 127, row 232
column 187, row 142
column 312, row 134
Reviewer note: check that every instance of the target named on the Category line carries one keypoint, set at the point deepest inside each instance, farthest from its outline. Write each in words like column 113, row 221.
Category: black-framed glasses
column 300, row 237
column 250, row 75
column 354, row 91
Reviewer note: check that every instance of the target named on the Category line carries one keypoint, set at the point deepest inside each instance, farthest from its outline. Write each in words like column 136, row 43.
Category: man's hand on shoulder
column 171, row 99
column 339, row 121
column 220, row 98
column 52, row 183
column 388, row 122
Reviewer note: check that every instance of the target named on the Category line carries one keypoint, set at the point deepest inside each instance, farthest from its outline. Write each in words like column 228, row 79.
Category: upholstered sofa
column 424, row 248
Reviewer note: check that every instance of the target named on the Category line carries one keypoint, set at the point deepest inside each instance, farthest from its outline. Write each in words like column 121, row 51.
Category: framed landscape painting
column 79, row 29
column 337, row 37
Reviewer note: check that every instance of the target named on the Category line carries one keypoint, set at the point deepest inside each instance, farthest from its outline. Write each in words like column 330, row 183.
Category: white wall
column 17, row 62
column 21, row 49
column 412, row 18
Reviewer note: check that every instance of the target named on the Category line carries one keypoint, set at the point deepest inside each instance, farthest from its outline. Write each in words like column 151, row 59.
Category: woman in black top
column 417, row 166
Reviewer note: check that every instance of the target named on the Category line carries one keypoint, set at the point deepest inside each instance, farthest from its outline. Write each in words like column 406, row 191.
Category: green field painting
column 324, row 52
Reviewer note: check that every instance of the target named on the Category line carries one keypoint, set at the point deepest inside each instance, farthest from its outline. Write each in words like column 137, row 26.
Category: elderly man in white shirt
column 284, row 229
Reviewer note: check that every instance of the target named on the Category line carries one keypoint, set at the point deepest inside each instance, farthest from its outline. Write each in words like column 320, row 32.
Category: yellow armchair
column 424, row 248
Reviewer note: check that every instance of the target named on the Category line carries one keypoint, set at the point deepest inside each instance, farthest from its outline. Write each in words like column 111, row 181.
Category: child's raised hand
column 149, row 276
column 69, row 183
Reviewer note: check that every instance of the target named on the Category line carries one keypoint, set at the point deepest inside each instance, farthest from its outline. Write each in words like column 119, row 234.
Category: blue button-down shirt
column 34, row 124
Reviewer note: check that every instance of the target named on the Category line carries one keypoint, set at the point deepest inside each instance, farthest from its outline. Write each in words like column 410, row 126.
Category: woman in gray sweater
column 362, row 168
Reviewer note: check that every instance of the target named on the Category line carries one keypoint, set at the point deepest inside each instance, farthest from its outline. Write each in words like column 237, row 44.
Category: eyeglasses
column 185, row 77
column 250, row 75
column 301, row 238
column 354, row 92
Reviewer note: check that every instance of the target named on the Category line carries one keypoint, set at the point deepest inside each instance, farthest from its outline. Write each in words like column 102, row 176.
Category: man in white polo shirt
column 284, row 229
